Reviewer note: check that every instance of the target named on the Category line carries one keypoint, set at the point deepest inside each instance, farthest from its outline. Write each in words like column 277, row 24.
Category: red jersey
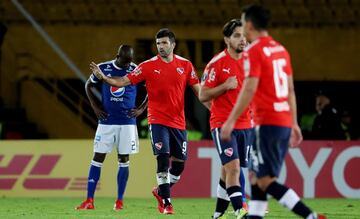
column 269, row 61
column 165, row 85
column 217, row 71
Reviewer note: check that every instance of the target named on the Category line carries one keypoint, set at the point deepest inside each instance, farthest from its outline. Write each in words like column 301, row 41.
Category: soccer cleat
column 241, row 213
column 155, row 193
column 88, row 204
column 321, row 216
column 245, row 206
column 118, row 205
column 168, row 209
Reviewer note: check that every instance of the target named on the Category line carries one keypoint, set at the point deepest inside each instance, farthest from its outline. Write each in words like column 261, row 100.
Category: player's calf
column 177, row 167
column 222, row 201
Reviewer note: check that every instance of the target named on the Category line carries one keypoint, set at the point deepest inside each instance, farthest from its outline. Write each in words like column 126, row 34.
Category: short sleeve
column 210, row 78
column 137, row 75
column 94, row 79
column 288, row 67
column 192, row 77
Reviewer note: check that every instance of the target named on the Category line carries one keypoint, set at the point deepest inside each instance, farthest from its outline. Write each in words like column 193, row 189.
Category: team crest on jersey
column 180, row 70
column 228, row 152
column 158, row 145
column 116, row 91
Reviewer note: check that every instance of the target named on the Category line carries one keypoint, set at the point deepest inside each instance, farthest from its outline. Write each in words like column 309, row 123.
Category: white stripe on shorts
column 217, row 138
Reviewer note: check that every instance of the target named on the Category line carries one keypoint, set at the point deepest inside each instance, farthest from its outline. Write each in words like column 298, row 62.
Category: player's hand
column 296, row 136
column 96, row 71
column 136, row 112
column 100, row 114
column 225, row 133
column 231, row 83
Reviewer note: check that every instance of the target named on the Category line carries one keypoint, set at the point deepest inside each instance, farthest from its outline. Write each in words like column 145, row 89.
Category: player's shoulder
column 182, row 60
column 106, row 63
column 218, row 59
column 150, row 61
column 255, row 45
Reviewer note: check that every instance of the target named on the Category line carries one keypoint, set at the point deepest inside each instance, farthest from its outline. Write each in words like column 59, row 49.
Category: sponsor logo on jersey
column 157, row 71
column 227, row 70
column 116, row 91
column 228, row 152
column 180, row 70
column 158, row 145
column 108, row 68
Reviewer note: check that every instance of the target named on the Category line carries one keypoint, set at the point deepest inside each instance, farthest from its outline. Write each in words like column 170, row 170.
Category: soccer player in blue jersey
column 117, row 124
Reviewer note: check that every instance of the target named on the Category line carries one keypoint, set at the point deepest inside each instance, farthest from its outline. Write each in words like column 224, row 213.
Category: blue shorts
column 270, row 146
column 168, row 140
column 237, row 148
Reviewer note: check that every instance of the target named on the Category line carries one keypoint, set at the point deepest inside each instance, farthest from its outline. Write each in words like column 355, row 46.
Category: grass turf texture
column 146, row 208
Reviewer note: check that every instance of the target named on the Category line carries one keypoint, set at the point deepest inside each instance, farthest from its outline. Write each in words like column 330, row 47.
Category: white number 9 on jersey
column 280, row 78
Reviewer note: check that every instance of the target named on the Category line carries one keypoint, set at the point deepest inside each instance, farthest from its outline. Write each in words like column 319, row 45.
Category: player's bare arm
column 113, row 81
column 100, row 114
column 196, row 89
column 246, row 94
column 296, row 135
column 207, row 94
column 139, row 110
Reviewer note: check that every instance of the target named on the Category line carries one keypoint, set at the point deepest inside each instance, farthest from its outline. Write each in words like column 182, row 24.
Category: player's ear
column 226, row 40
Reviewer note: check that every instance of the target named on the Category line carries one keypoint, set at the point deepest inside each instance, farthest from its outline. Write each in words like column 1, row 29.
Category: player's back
column 270, row 62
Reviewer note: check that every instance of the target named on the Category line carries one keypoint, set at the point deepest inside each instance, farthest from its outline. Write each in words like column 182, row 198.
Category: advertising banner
column 318, row 169
column 59, row 168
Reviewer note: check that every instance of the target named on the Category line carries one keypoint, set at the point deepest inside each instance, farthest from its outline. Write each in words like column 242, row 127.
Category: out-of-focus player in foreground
column 117, row 125
column 166, row 76
column 221, row 83
column 269, row 80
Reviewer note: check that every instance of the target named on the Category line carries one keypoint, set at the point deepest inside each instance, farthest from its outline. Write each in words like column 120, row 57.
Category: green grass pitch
column 146, row 208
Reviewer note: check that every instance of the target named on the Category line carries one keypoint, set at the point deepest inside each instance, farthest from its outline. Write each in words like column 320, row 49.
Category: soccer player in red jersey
column 166, row 77
column 221, row 84
column 269, row 82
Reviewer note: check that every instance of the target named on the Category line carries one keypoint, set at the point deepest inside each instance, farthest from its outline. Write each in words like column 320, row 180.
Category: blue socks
column 94, row 175
column 122, row 178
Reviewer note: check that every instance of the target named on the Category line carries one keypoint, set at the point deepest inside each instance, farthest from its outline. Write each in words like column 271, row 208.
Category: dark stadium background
column 322, row 37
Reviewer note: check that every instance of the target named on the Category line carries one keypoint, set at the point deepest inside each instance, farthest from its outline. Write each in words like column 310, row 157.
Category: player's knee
column 123, row 158
column 264, row 182
column 162, row 163
column 99, row 157
column 177, row 167
column 232, row 168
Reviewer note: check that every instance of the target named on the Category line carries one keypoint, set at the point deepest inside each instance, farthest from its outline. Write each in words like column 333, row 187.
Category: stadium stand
column 301, row 12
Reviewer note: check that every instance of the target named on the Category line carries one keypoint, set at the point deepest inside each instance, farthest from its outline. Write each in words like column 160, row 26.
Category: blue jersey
column 117, row 102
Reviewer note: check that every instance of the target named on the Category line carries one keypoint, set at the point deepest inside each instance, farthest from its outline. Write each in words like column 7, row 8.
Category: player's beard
column 164, row 53
column 238, row 49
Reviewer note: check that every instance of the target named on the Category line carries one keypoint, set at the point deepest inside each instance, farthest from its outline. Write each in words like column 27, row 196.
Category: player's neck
column 258, row 34
column 233, row 54
column 168, row 58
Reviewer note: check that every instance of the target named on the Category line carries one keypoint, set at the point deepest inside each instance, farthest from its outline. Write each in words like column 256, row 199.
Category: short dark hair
column 230, row 26
column 258, row 15
column 165, row 32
